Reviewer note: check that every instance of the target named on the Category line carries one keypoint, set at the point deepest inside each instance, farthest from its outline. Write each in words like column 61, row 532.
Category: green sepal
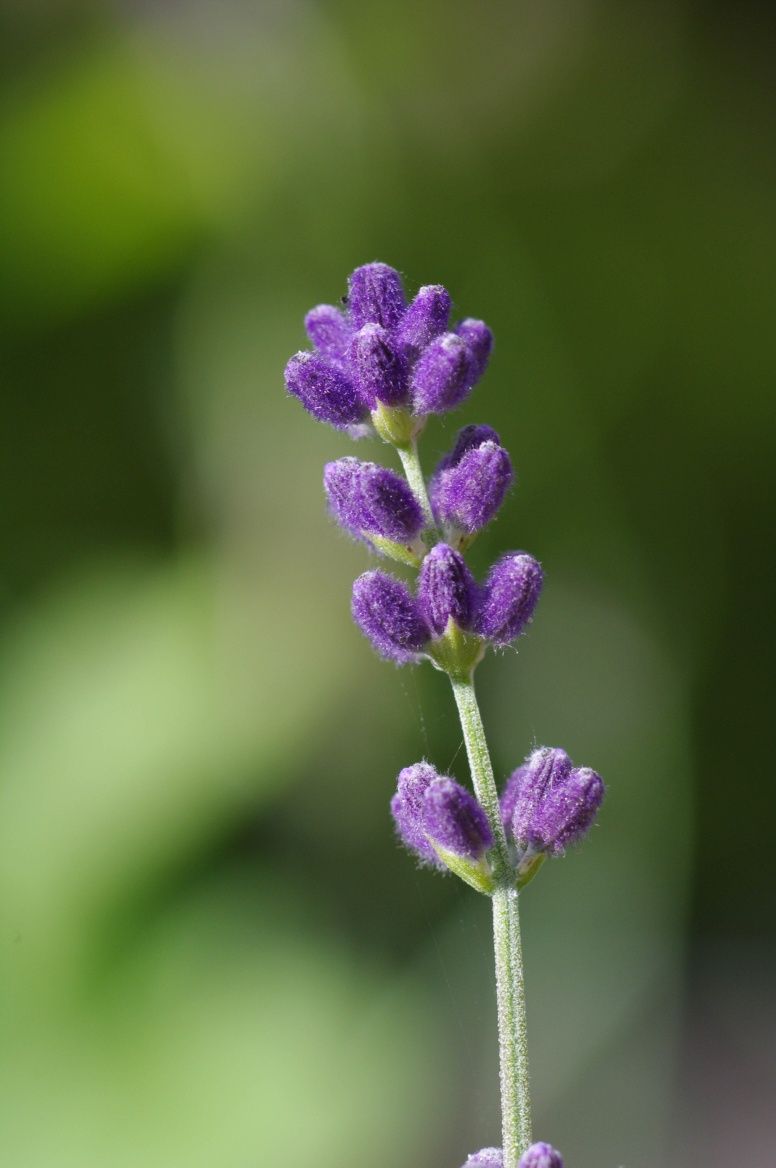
column 456, row 651
column 395, row 424
column 473, row 872
column 409, row 554
column 527, row 871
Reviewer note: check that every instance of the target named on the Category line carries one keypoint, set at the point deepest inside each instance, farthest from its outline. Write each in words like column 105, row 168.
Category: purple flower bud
column 406, row 809
column 446, row 588
column 479, row 338
column 527, row 791
column 330, row 332
column 548, row 804
column 487, row 1158
column 425, row 319
column 324, row 391
column 367, row 498
column 375, row 296
column 453, row 818
column 468, row 439
column 389, row 616
column 510, row 596
column 541, row 1156
column 378, row 367
column 572, row 808
column 466, row 496
column 443, row 376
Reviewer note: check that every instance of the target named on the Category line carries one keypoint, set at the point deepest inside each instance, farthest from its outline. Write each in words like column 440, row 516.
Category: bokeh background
column 211, row 950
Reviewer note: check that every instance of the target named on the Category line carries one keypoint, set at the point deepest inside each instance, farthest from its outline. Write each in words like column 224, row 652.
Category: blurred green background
column 212, row 952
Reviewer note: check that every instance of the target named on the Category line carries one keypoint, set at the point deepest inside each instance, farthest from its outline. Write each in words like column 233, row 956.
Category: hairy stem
column 510, row 984
column 412, row 469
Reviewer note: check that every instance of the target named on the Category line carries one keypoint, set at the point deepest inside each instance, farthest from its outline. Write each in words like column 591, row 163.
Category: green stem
column 412, row 469
column 510, row 984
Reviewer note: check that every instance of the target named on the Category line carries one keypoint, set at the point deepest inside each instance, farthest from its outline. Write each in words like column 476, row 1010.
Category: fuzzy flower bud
column 324, row 391
column 389, row 616
column 541, row 1156
column 453, row 818
column 446, row 589
column 443, row 376
column 375, row 296
column 548, row 803
column 510, row 596
column 378, row 367
column 468, row 439
column 425, row 319
column 479, row 338
column 486, row 1158
column 466, row 495
column 369, row 499
column 330, row 332
column 406, row 809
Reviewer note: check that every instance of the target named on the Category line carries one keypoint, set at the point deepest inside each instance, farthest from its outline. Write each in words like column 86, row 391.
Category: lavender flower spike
column 454, row 819
column 425, row 319
column 324, row 391
column 541, row 1156
column 367, row 499
column 443, row 376
column 467, row 493
column 446, row 589
column 389, row 616
column 406, row 809
column 375, row 296
column 511, row 594
column 486, row 1158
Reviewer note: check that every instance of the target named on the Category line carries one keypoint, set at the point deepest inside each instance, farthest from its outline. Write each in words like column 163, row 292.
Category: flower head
column 380, row 351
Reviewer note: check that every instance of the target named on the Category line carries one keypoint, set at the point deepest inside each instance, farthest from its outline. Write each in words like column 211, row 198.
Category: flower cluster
column 547, row 804
column 539, row 1155
column 381, row 367
column 382, row 355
